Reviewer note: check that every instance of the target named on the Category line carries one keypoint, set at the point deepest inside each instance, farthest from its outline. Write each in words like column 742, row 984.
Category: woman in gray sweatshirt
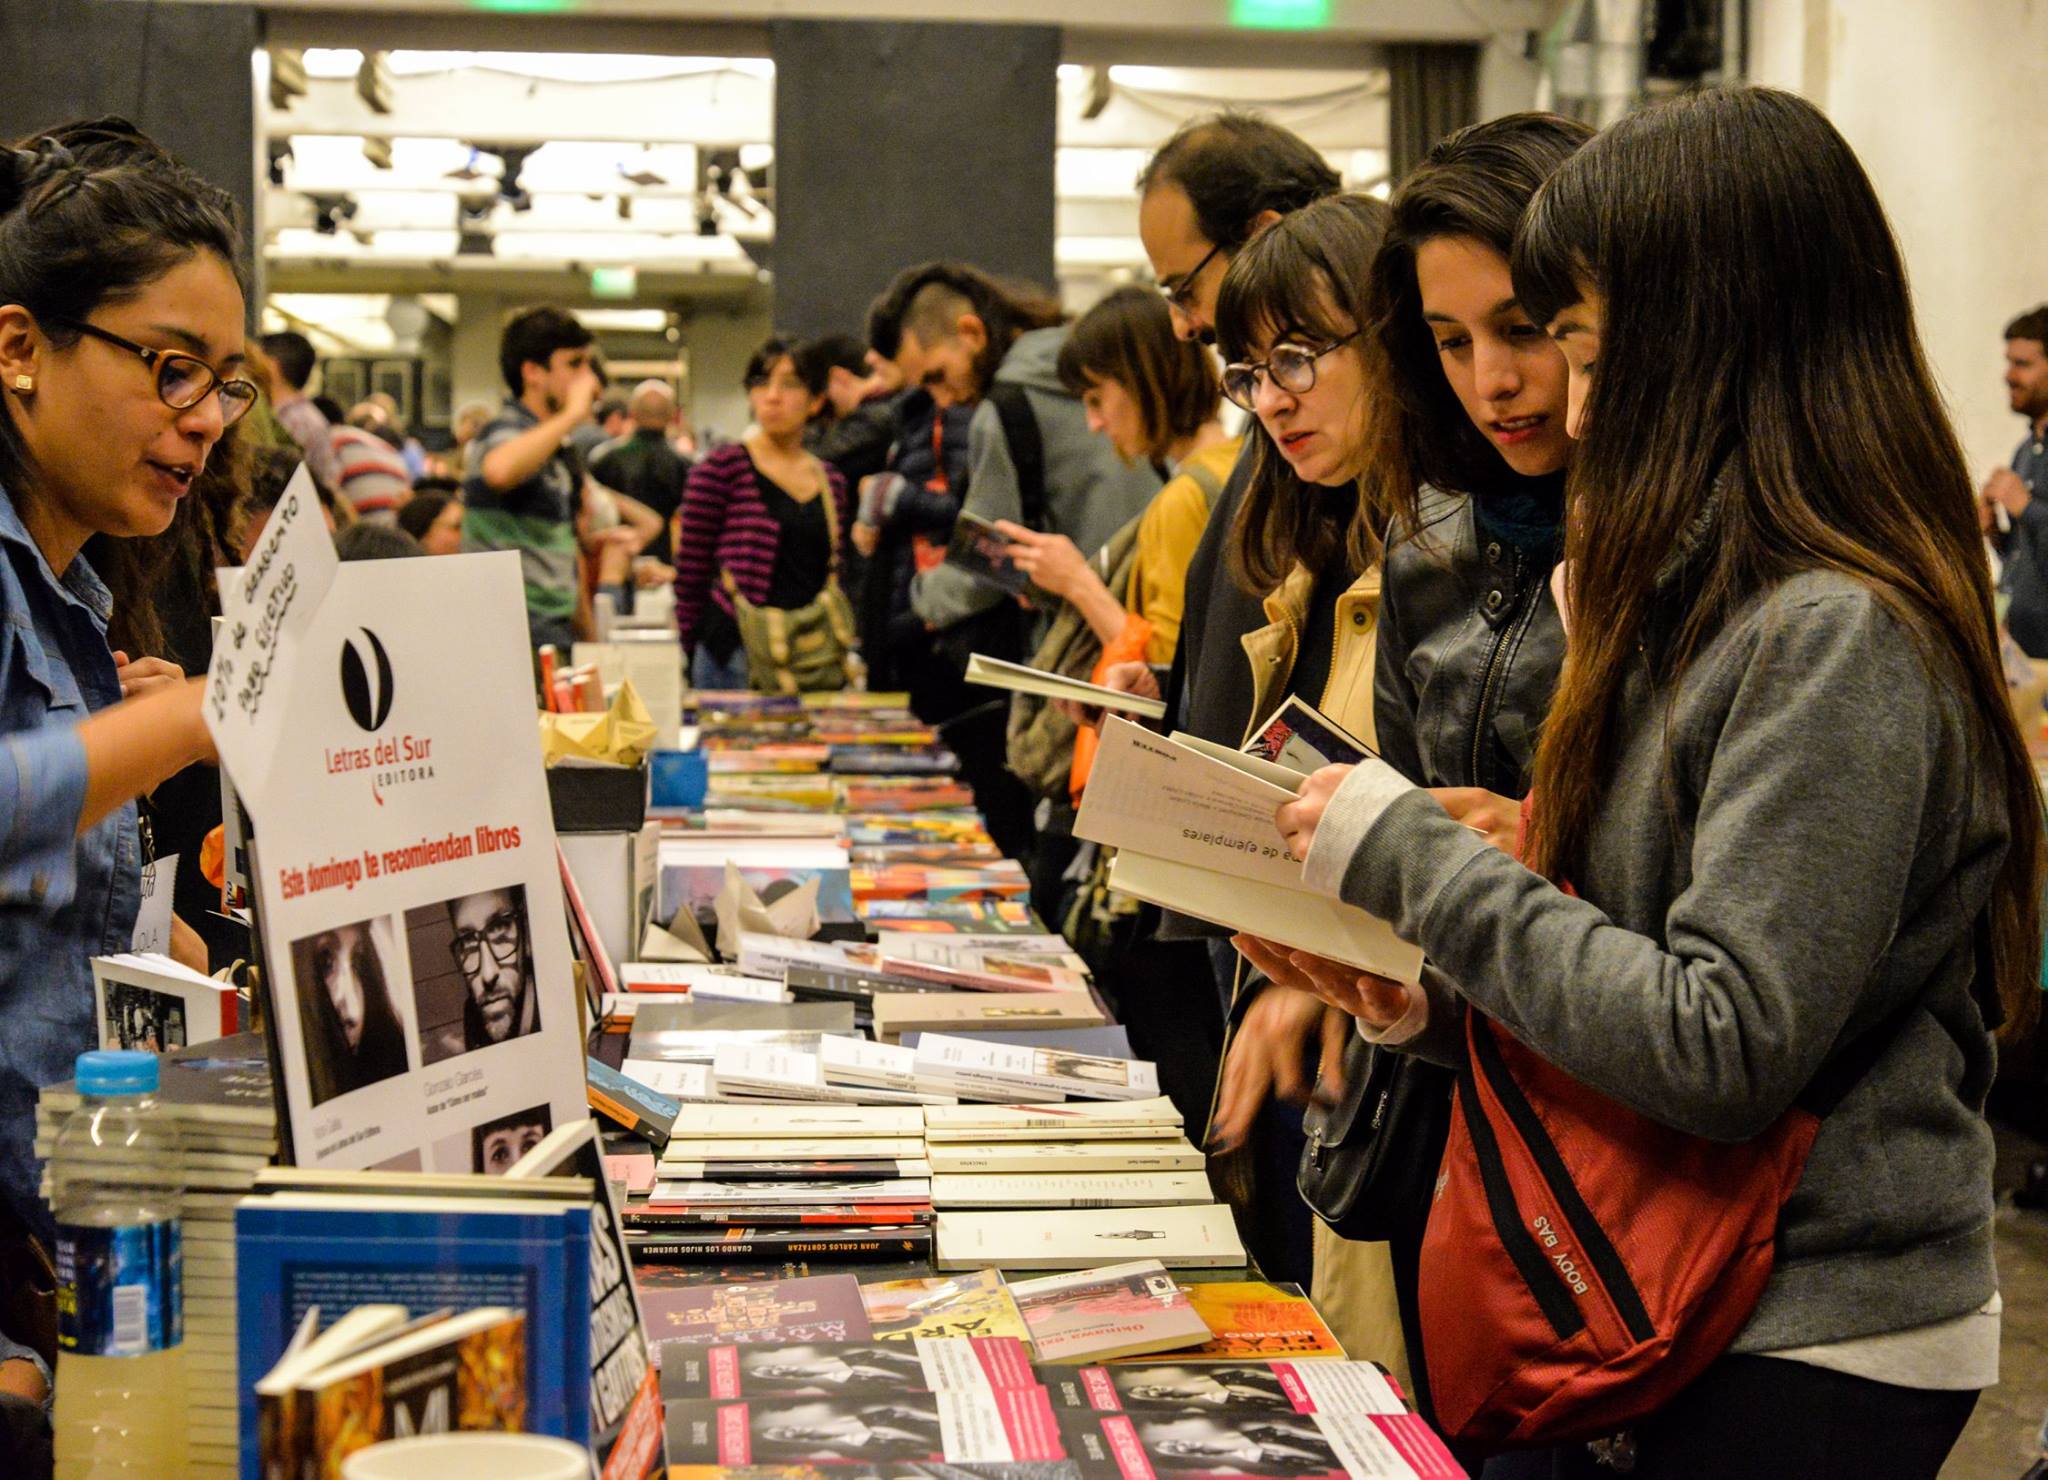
column 1780, row 774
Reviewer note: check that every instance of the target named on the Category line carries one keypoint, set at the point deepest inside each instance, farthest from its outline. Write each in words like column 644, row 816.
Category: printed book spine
column 877, row 1243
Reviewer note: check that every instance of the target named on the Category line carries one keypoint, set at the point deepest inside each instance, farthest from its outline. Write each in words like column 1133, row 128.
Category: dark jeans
column 1760, row 1418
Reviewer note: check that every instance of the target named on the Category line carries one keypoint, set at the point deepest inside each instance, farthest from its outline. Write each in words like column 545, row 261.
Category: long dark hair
column 92, row 213
column 333, row 1068
column 1758, row 349
column 1305, row 275
column 1128, row 338
column 1474, row 184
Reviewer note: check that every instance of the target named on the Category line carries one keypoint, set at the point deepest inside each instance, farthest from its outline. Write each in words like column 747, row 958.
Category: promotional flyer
column 404, row 869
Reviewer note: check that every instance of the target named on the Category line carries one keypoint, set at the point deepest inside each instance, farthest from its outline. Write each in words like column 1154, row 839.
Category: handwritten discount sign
column 266, row 607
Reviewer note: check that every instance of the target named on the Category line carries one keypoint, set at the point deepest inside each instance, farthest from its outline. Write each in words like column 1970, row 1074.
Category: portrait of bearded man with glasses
column 493, row 950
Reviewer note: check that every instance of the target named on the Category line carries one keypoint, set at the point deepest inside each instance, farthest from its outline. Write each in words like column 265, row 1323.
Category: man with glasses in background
column 493, row 954
column 1212, row 187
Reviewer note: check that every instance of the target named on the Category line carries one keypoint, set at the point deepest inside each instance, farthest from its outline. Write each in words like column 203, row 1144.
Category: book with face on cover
column 1003, row 1427
column 975, row 1305
column 930, row 1364
column 1121, row 1120
column 1178, row 1237
column 972, row 1066
column 1220, row 1442
column 897, row 1013
column 1118, row 1310
column 1243, row 1388
column 1119, row 1189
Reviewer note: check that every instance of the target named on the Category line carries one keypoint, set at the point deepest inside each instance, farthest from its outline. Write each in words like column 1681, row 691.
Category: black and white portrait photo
column 495, row 1145
column 472, row 971
column 351, row 1029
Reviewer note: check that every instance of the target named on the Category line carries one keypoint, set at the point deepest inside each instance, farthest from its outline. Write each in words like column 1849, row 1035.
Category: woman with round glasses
column 121, row 334
column 1292, row 320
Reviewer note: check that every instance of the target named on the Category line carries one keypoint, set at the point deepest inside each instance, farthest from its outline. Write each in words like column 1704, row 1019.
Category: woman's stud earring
column 24, row 383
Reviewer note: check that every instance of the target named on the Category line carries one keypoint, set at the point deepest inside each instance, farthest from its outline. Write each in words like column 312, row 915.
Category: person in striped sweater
column 754, row 509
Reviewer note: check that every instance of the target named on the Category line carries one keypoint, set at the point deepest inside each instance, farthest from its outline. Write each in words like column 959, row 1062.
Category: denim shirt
column 65, row 897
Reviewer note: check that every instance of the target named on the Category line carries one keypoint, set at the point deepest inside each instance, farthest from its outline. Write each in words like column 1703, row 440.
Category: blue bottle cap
column 117, row 1071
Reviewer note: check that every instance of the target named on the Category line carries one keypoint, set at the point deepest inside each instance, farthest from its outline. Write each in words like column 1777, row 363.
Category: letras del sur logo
column 366, row 679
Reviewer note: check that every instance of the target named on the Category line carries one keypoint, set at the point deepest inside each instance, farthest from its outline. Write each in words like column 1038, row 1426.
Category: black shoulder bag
column 1370, row 1166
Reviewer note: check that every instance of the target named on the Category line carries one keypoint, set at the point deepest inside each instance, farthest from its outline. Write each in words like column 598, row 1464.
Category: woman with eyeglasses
column 1471, row 453
column 1294, row 322
column 121, row 343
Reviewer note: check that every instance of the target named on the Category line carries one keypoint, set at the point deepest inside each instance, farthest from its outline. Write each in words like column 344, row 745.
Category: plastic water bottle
column 116, row 1190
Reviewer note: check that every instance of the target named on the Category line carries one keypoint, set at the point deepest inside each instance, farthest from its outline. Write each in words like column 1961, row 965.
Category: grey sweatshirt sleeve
column 1807, row 825
column 944, row 594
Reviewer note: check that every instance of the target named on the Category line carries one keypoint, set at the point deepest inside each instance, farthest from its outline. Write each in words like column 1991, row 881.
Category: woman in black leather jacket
column 1473, row 422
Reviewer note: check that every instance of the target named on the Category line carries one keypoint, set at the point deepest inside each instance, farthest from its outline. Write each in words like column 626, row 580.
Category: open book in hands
column 1193, row 823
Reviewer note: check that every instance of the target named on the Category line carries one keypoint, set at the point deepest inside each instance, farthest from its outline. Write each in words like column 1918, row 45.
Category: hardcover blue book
column 425, row 1256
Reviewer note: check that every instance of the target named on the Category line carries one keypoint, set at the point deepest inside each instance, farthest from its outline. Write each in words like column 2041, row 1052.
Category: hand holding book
column 1298, row 818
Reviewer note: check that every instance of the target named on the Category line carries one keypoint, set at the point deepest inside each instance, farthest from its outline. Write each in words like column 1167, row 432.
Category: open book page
column 1159, row 796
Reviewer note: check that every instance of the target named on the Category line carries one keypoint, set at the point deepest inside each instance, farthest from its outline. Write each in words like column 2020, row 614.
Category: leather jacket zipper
column 1495, row 669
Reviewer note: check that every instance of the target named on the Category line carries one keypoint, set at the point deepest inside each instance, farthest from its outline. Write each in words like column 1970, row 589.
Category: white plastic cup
column 442, row 1456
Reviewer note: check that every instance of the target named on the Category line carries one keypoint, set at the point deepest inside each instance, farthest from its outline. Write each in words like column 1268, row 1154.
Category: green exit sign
column 1280, row 15
column 614, row 282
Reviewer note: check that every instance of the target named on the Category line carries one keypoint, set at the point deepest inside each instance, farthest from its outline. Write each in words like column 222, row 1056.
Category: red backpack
column 1583, row 1263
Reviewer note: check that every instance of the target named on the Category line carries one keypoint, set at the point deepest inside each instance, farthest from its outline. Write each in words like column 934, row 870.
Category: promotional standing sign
column 404, row 870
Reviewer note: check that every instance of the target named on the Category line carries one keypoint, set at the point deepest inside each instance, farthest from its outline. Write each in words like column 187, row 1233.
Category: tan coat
column 1347, row 694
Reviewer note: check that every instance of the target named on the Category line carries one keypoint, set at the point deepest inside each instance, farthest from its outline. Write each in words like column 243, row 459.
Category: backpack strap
column 1027, row 448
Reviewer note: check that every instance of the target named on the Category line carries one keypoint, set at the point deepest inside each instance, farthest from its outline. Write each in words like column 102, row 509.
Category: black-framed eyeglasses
column 182, row 380
column 1292, row 367
column 500, row 933
column 1178, row 294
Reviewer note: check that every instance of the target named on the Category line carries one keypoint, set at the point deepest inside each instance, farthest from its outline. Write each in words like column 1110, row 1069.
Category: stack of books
column 1123, row 1173
column 797, row 1181
column 538, row 1248
column 218, row 1096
